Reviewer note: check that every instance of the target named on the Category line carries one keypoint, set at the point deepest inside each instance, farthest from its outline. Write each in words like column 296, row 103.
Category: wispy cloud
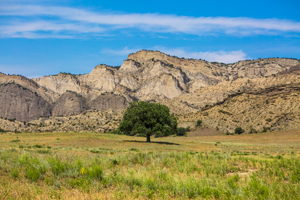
column 211, row 56
column 44, row 21
column 123, row 52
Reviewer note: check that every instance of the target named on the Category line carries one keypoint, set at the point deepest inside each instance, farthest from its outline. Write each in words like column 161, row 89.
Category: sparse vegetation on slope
column 273, row 108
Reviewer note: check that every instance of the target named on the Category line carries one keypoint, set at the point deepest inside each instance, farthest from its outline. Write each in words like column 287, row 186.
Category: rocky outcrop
column 17, row 102
column 109, row 101
column 70, row 103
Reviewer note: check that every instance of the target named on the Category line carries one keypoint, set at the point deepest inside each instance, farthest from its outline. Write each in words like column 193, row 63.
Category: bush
column 188, row 129
column 252, row 130
column 118, row 132
column 32, row 174
column 238, row 130
column 199, row 122
column 96, row 172
column 181, row 131
column 15, row 173
column 37, row 146
column 265, row 129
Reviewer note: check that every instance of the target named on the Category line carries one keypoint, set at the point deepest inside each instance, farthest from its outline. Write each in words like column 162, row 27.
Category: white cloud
column 37, row 76
column 66, row 21
column 122, row 52
column 211, row 56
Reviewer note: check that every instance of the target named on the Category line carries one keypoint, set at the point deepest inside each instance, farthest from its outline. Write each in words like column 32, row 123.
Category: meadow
column 107, row 166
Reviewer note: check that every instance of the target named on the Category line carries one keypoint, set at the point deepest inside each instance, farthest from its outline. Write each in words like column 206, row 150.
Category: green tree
column 181, row 131
column 147, row 119
column 199, row 122
column 239, row 130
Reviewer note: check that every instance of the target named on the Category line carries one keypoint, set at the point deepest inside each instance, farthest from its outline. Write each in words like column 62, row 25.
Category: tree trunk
column 148, row 137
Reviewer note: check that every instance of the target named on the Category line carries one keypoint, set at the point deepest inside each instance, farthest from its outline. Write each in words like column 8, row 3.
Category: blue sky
column 43, row 37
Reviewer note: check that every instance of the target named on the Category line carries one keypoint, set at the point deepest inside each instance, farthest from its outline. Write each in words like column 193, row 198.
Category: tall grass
column 159, row 175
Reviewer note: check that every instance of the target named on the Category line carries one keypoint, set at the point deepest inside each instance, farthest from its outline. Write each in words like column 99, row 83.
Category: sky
column 45, row 37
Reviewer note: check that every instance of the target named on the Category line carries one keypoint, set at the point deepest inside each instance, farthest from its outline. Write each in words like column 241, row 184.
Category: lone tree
column 199, row 122
column 147, row 119
column 239, row 130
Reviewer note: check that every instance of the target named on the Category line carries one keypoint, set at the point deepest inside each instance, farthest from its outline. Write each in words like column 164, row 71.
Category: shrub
column 181, row 131
column 252, row 130
column 17, row 140
column 95, row 151
column 43, row 151
column 115, row 162
column 57, row 166
column 33, row 173
column 118, row 132
column 15, row 173
column 188, row 129
column 96, row 172
column 225, row 112
column 199, row 122
column 265, row 129
column 238, row 130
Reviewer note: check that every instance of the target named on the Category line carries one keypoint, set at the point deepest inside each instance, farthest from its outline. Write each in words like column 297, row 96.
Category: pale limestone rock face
column 128, row 66
column 102, row 78
column 163, row 86
column 130, row 82
column 197, row 84
column 190, row 67
column 60, row 83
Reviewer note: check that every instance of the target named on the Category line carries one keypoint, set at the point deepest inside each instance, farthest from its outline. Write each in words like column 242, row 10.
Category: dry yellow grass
column 183, row 159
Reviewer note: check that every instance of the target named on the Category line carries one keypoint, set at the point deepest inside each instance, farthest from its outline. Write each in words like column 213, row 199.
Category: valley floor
column 106, row 166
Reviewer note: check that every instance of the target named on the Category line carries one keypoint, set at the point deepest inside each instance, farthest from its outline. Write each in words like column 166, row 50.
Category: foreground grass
column 99, row 166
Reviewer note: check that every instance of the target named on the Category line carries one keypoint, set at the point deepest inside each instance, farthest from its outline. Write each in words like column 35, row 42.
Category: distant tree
column 181, row 131
column 148, row 119
column 238, row 130
column 199, row 122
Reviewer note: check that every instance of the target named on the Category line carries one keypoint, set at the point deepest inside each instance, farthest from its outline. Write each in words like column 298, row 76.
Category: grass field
column 107, row 166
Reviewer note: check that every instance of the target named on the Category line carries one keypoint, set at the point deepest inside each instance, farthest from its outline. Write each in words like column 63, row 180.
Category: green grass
column 99, row 166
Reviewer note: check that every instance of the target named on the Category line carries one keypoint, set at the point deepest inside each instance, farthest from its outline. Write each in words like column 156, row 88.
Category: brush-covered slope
column 272, row 108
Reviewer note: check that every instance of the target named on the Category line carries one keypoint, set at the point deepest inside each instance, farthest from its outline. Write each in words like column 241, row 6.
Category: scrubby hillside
column 272, row 108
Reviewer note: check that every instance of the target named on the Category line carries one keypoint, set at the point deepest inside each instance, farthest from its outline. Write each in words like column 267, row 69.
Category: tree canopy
column 147, row 119
column 238, row 130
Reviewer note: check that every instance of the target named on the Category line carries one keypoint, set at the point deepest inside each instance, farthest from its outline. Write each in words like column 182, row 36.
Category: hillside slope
column 188, row 87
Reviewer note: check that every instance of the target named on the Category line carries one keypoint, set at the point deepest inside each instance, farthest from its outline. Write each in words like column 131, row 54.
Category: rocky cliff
column 187, row 86
column 18, row 102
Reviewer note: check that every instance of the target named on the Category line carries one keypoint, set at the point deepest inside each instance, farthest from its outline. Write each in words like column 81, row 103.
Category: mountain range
column 257, row 95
